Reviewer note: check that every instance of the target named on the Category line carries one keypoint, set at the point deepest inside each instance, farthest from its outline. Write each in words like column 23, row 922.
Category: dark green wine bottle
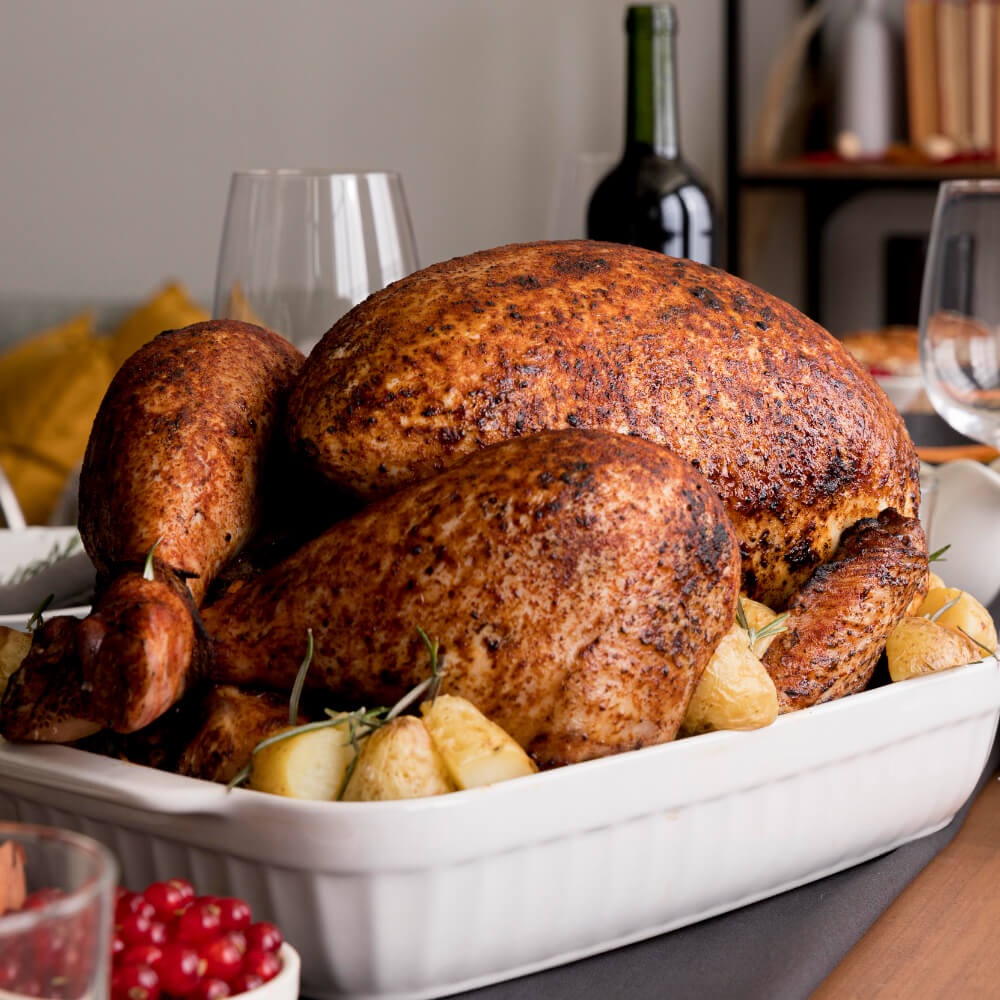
column 652, row 198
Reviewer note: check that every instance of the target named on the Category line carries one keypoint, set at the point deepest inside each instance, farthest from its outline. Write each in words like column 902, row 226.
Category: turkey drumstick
column 174, row 467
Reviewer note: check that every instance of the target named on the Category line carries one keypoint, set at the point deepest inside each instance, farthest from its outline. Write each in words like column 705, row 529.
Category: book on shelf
column 952, row 50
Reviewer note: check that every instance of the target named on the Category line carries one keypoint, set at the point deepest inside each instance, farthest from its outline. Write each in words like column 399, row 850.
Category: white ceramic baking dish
column 428, row 897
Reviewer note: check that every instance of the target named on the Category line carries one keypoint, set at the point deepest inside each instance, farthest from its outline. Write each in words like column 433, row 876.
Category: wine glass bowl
column 960, row 309
column 301, row 247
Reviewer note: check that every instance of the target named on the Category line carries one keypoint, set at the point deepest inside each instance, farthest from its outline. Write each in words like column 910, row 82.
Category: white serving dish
column 429, row 897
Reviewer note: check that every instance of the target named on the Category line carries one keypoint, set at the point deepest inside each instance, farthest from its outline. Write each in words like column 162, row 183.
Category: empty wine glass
column 301, row 247
column 960, row 309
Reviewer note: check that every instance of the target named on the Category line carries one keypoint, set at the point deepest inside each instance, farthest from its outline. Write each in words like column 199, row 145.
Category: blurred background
column 122, row 122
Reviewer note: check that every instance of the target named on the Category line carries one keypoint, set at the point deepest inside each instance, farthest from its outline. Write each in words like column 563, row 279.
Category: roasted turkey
column 796, row 438
column 567, row 457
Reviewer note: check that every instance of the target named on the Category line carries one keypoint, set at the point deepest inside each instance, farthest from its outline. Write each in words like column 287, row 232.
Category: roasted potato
column 757, row 617
column 933, row 580
column 735, row 692
column 475, row 750
column 309, row 765
column 966, row 615
column 14, row 648
column 398, row 761
column 919, row 646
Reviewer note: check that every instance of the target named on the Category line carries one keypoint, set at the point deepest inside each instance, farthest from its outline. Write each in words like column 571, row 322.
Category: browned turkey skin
column 796, row 438
column 839, row 621
column 173, row 466
column 577, row 582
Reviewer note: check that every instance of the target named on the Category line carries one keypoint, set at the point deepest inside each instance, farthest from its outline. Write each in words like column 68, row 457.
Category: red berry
column 236, row 914
column 199, row 923
column 117, row 947
column 166, row 898
column 10, row 969
column 264, row 936
column 139, row 929
column 41, row 897
column 265, row 964
column 179, row 968
column 239, row 939
column 134, row 982
column 223, row 958
column 209, row 989
column 131, row 904
column 140, row 954
column 243, row 982
column 185, row 888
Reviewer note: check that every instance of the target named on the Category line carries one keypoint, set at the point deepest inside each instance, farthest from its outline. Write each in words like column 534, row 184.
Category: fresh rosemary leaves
column 360, row 723
column 774, row 627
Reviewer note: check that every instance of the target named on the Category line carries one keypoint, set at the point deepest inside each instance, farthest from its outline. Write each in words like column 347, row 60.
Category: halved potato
column 309, row 765
column 919, row 646
column 14, row 648
column 398, row 761
column 475, row 749
column 735, row 691
column 966, row 615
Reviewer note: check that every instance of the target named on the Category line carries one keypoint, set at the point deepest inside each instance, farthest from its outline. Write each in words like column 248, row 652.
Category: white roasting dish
column 430, row 897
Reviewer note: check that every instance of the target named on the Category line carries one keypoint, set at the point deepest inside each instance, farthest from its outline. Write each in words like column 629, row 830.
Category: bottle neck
column 651, row 105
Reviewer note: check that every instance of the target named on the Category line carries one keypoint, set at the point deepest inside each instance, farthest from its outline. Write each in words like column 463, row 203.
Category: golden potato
column 309, row 765
column 14, row 648
column 758, row 616
column 475, row 749
column 919, row 646
column 933, row 580
column 398, row 761
column 966, row 615
column 735, row 692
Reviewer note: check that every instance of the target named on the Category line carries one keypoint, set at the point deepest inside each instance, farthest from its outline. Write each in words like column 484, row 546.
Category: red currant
column 134, row 982
column 264, row 936
column 139, row 929
column 133, row 903
column 210, row 989
column 140, row 954
column 236, row 914
column 41, row 897
column 243, row 982
column 223, row 958
column 166, row 898
column 265, row 964
column 179, row 968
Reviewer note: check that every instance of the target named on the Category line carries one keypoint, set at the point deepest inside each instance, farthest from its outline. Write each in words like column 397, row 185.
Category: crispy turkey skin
column 577, row 582
column 797, row 439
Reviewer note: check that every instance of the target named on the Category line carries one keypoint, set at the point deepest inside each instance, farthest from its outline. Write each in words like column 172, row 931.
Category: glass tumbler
column 58, row 943
column 301, row 247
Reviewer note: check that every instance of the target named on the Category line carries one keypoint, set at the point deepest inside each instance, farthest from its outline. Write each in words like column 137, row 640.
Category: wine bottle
column 652, row 198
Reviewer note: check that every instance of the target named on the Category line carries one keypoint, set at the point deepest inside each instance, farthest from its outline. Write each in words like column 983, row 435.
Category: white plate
column 428, row 897
column 967, row 518
column 36, row 562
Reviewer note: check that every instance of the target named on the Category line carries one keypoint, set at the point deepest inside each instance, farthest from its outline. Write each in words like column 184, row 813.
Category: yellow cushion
column 50, row 388
column 169, row 309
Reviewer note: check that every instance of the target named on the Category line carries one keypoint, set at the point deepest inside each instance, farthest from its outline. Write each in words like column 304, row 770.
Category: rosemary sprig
column 36, row 621
column 774, row 627
column 944, row 607
column 986, row 649
column 148, row 570
column 360, row 723
column 939, row 555
column 300, row 679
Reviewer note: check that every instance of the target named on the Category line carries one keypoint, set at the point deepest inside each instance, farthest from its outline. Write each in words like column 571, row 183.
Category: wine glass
column 301, row 247
column 960, row 309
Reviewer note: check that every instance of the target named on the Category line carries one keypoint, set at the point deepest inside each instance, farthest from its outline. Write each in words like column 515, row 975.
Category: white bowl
column 285, row 985
column 967, row 518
